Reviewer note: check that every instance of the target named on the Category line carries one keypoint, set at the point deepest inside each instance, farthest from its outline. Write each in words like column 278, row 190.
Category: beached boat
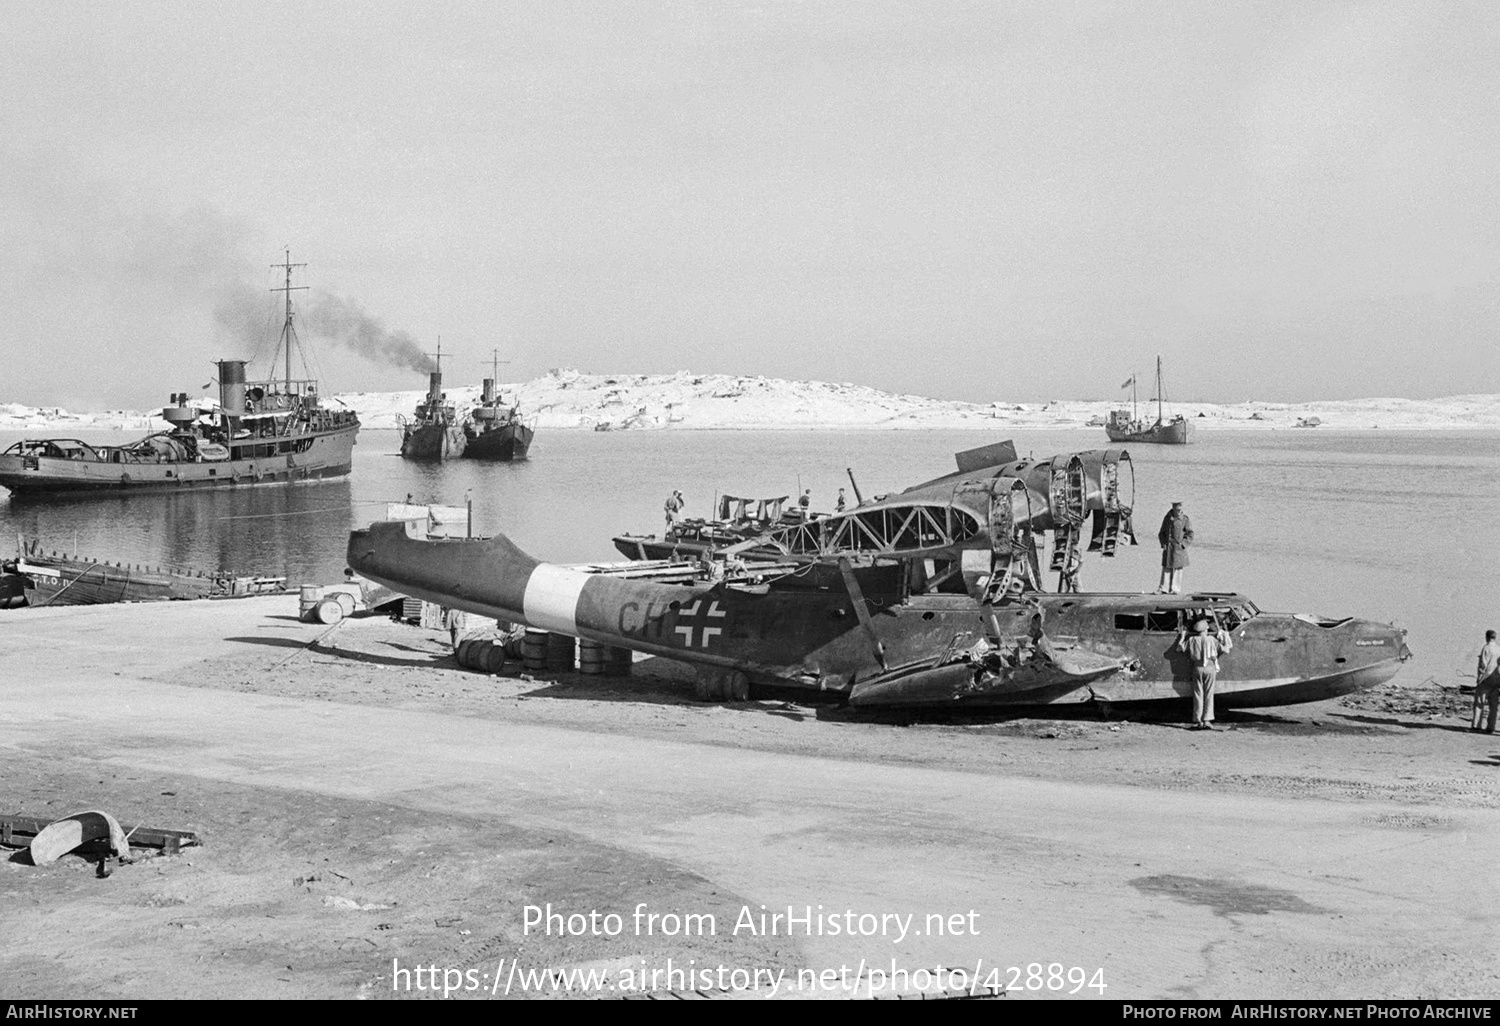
column 260, row 432
column 494, row 430
column 54, row 579
column 1127, row 426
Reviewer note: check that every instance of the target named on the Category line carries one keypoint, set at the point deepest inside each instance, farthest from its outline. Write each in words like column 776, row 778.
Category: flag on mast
column 1130, row 382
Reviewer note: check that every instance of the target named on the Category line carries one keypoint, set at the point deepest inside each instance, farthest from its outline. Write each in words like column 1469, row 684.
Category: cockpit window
column 1162, row 620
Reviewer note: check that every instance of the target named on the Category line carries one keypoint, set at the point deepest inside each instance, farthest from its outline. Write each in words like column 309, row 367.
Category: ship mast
column 1158, row 389
column 438, row 356
column 288, row 333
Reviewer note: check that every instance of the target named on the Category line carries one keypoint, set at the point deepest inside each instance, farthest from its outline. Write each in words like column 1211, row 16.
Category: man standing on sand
column 1176, row 535
column 1203, row 649
column 1487, row 683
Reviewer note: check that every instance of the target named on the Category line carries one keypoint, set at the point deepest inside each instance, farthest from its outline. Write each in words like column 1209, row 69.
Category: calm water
column 1394, row 526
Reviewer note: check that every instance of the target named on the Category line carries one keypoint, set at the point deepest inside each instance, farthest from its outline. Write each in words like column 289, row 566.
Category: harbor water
column 1389, row 525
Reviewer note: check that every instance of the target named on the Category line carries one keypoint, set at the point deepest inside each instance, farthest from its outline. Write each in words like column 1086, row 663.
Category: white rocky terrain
column 571, row 399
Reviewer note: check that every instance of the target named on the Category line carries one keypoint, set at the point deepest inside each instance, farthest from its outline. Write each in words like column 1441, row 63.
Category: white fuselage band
column 551, row 600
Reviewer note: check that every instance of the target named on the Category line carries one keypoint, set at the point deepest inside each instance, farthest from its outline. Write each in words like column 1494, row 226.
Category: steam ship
column 435, row 431
column 494, row 430
column 261, row 432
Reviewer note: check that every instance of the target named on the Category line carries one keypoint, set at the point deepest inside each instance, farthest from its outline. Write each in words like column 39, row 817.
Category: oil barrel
column 560, row 652
column 328, row 611
column 494, row 657
column 534, row 649
column 617, row 661
column 590, row 657
column 308, row 600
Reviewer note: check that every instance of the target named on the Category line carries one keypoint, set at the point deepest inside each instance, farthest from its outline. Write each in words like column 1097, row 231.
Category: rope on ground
column 308, row 512
column 309, row 645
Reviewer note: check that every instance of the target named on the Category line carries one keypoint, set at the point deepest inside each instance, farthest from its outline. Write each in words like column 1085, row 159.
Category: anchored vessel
column 929, row 597
column 494, row 430
column 1122, row 428
column 262, row 431
column 435, row 431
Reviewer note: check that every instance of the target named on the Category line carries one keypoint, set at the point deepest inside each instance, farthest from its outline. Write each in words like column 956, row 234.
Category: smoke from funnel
column 241, row 311
column 343, row 321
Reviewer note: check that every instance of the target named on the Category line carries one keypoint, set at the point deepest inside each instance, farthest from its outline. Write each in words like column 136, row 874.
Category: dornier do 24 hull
column 909, row 628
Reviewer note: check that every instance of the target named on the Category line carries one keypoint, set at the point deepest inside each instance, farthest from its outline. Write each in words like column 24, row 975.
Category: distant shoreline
column 569, row 400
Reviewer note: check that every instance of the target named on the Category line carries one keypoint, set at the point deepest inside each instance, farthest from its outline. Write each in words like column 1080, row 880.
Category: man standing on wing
column 1175, row 536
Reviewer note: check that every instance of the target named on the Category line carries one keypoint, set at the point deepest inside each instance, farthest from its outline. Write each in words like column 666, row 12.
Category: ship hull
column 503, row 444
column 75, row 583
column 326, row 455
column 1178, row 432
column 433, row 442
column 106, row 584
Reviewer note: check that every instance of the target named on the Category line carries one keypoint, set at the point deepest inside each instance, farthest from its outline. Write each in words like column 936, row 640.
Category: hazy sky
column 981, row 201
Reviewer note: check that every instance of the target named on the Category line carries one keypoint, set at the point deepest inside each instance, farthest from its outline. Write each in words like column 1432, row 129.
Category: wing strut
column 857, row 599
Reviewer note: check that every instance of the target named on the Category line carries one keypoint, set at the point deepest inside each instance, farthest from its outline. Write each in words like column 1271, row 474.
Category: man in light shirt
column 1487, row 683
column 1203, row 648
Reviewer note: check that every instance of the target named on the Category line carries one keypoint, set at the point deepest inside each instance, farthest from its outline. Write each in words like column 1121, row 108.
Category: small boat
column 260, row 432
column 1124, row 426
column 494, row 430
column 53, row 579
column 435, row 431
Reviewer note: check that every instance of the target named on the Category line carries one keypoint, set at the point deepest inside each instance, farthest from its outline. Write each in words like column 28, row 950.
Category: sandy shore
column 365, row 805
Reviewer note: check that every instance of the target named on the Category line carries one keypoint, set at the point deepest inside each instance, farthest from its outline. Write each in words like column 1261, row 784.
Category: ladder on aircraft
column 1065, row 542
column 1113, row 527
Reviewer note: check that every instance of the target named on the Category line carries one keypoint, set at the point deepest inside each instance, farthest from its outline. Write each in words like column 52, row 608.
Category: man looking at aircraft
column 1487, row 683
column 1175, row 536
column 1203, row 648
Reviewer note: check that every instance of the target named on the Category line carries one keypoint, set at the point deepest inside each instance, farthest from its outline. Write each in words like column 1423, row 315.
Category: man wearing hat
column 673, row 506
column 1203, row 648
column 1176, row 535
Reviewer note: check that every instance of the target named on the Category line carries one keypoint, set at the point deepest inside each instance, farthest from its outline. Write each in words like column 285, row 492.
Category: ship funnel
column 489, row 390
column 232, row 387
column 435, row 387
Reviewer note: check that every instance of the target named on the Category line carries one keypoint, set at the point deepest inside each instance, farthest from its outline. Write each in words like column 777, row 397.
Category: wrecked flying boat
column 927, row 597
